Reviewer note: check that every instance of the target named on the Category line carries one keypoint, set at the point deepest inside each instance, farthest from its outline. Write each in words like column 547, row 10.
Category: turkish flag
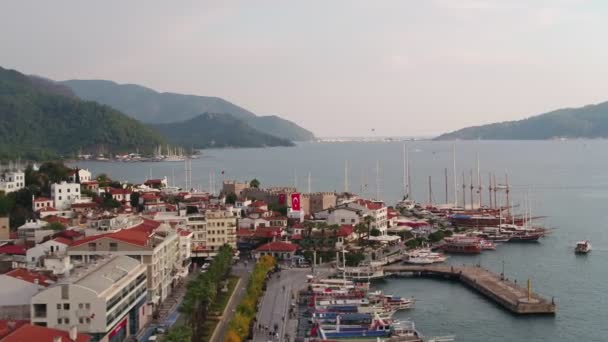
column 282, row 199
column 295, row 201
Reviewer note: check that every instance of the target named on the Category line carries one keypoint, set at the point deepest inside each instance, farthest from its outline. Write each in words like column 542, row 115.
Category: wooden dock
column 507, row 294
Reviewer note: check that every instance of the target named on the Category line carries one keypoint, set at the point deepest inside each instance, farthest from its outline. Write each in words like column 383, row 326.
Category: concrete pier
column 507, row 294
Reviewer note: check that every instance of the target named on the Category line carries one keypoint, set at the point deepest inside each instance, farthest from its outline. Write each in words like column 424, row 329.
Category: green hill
column 37, row 121
column 586, row 122
column 150, row 106
column 280, row 127
column 217, row 130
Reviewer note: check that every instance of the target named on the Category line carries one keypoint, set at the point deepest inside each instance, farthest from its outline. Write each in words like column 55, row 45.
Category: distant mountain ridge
column 150, row 106
column 217, row 130
column 590, row 121
column 40, row 120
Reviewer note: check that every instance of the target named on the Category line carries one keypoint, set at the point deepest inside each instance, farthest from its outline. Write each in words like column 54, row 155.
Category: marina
column 508, row 294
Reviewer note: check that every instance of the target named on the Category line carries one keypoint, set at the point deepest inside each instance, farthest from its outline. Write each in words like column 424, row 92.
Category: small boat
column 419, row 260
column 582, row 247
column 487, row 245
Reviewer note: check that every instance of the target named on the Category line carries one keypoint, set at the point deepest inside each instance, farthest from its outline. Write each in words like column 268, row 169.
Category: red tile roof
column 258, row 204
column 46, row 209
column 93, row 182
column 55, row 218
column 63, row 240
column 9, row 325
column 244, row 232
column 30, row 277
column 29, row 332
column 267, row 232
column 115, row 191
column 69, row 234
column 13, row 249
column 42, row 199
column 277, row 246
column 138, row 235
column 84, row 205
column 345, row 230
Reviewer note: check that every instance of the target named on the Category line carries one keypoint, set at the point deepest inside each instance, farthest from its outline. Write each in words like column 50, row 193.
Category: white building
column 106, row 300
column 185, row 251
column 12, row 181
column 376, row 210
column 57, row 246
column 64, row 194
column 18, row 287
column 79, row 175
column 343, row 215
column 33, row 231
column 153, row 244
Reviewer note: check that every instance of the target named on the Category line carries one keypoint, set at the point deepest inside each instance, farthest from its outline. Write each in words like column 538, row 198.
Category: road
column 243, row 272
column 274, row 308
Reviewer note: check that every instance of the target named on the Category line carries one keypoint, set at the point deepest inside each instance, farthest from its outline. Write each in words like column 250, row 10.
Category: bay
column 567, row 182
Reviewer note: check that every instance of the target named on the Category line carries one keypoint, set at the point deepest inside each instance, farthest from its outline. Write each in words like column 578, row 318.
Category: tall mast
column 464, row 193
column 345, row 176
column 405, row 190
column 378, row 180
column 495, row 192
column 455, row 183
column 309, row 189
column 172, row 176
column 507, row 193
column 446, row 186
column 478, row 181
column 295, row 179
column 490, row 190
column 472, row 187
column 409, row 174
column 430, row 191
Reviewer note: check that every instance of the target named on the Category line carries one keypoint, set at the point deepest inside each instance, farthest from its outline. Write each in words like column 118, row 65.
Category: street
column 243, row 272
column 274, row 308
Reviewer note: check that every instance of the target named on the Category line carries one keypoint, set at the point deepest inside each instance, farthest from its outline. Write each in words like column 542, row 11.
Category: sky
column 338, row 68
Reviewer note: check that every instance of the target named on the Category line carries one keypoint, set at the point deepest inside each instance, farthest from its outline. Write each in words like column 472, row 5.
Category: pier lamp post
column 502, row 275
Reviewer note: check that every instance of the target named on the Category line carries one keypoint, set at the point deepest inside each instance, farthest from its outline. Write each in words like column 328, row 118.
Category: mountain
column 150, row 106
column 586, row 122
column 38, row 121
column 280, row 127
column 217, row 130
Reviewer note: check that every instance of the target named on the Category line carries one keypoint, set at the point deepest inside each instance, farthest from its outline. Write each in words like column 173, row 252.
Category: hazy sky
column 335, row 67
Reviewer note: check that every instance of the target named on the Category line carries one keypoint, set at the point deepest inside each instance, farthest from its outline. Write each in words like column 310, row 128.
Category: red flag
column 282, row 199
column 295, row 201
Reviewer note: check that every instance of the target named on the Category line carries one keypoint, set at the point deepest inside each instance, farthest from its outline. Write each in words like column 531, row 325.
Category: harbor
column 508, row 294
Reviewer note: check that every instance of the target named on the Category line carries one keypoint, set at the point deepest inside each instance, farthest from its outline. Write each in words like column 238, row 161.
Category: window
column 59, row 190
column 58, row 306
column 59, row 321
column 88, row 320
column 60, row 198
column 40, row 310
column 87, row 305
column 81, row 320
column 80, row 305
column 66, row 306
column 68, row 189
column 66, row 320
column 113, row 246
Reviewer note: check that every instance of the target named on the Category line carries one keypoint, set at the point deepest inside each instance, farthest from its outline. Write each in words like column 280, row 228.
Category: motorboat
column 582, row 247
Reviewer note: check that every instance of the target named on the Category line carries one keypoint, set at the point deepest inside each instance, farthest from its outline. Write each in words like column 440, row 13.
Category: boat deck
column 505, row 293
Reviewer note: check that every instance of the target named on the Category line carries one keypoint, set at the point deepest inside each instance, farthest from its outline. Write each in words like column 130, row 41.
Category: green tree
column 255, row 183
column 375, row 232
column 179, row 333
column 56, row 226
column 231, row 198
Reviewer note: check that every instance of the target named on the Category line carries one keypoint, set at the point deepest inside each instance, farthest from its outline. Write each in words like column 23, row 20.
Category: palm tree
column 361, row 229
column 368, row 221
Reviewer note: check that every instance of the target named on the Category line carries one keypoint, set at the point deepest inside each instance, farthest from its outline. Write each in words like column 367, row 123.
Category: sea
column 564, row 181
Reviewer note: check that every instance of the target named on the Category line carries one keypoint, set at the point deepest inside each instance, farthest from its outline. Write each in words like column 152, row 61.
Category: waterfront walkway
column 503, row 292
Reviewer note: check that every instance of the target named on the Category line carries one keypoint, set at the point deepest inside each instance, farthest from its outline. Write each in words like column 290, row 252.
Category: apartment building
column 106, row 300
column 154, row 244
column 211, row 230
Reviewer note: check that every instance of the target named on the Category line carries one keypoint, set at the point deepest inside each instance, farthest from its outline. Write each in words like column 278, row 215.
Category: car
column 205, row 266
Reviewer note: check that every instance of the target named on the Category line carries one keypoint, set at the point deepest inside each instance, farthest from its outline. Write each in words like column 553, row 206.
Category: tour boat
column 393, row 302
column 525, row 237
column 582, row 247
column 462, row 245
column 419, row 260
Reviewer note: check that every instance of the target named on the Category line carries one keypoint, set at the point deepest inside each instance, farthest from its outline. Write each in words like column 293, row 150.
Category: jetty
column 508, row 294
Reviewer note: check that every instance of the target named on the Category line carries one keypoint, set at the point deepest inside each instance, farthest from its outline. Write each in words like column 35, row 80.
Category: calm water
column 567, row 182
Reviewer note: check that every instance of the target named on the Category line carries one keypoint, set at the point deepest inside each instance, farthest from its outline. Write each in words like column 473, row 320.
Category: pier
column 511, row 296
